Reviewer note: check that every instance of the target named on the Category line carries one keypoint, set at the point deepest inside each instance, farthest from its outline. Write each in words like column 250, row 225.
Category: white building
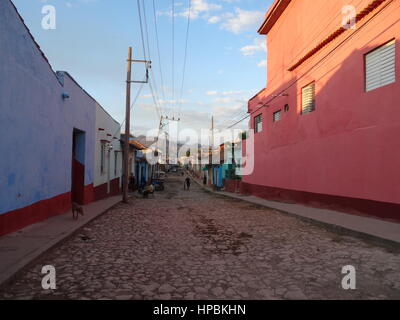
column 108, row 156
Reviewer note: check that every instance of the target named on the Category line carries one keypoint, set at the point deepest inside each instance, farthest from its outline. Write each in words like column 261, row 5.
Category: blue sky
column 225, row 64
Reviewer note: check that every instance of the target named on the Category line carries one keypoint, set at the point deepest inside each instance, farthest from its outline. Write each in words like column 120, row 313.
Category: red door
column 78, row 167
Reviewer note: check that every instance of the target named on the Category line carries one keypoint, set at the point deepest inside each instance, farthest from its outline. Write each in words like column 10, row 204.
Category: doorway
column 78, row 167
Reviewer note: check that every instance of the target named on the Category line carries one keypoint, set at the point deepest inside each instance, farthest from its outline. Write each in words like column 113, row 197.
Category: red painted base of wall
column 88, row 194
column 39, row 211
column 100, row 192
column 20, row 218
column 383, row 210
column 232, row 186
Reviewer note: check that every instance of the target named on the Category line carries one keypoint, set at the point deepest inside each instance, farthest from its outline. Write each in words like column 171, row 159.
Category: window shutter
column 380, row 66
column 277, row 116
column 308, row 98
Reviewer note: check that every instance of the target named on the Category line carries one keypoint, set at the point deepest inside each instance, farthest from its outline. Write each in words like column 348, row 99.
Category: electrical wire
column 173, row 53
column 299, row 54
column 158, row 50
column 185, row 57
column 312, row 67
column 148, row 54
column 132, row 105
column 159, row 107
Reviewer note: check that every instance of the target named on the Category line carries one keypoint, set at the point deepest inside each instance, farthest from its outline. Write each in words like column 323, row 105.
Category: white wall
column 111, row 131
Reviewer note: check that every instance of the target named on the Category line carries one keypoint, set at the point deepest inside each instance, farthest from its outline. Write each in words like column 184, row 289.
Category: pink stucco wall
column 349, row 146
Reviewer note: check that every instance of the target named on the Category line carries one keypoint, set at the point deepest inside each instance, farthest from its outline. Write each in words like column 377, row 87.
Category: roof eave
column 273, row 15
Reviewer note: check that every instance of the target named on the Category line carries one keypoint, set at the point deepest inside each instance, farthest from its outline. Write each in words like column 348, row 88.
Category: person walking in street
column 131, row 183
column 186, row 185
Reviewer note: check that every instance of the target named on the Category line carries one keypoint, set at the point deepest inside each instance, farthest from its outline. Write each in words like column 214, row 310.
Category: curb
column 376, row 240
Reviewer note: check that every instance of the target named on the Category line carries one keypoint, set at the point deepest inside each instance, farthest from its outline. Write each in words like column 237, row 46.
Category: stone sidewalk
column 369, row 227
column 20, row 248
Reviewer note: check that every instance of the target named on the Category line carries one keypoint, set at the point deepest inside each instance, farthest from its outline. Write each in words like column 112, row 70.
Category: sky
column 226, row 58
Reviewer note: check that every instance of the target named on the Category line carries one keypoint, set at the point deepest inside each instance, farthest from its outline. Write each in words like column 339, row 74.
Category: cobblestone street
column 197, row 245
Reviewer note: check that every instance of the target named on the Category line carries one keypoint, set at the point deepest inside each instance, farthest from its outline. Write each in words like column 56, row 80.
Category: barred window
column 277, row 116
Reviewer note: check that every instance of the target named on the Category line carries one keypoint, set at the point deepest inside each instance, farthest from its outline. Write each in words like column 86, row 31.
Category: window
column 308, row 99
column 380, row 67
column 102, row 156
column 115, row 162
column 277, row 116
column 258, row 123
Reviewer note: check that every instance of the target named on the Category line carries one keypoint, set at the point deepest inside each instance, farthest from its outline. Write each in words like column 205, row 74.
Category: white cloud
column 199, row 8
column 238, row 21
column 258, row 45
column 229, row 93
column 224, row 93
column 262, row 63
column 202, row 6
column 230, row 99
column 225, row 100
column 242, row 20
column 214, row 19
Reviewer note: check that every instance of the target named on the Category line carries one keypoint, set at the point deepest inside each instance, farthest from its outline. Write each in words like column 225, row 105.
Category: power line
column 145, row 29
column 312, row 67
column 299, row 54
column 132, row 105
column 173, row 52
column 154, row 99
column 141, row 29
column 158, row 108
column 318, row 32
column 158, row 50
column 148, row 51
column 185, row 57
column 233, row 118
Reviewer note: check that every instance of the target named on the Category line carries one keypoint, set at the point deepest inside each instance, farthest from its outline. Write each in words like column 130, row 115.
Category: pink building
column 328, row 122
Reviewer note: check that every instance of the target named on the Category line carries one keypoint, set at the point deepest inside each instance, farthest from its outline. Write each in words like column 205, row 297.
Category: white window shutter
column 308, row 98
column 380, row 66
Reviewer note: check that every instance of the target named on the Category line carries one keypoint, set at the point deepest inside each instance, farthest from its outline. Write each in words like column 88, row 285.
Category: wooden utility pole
column 211, row 152
column 127, row 126
column 167, row 148
column 128, row 118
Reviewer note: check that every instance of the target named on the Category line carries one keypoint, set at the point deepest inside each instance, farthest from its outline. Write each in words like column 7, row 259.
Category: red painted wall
column 42, row 210
column 349, row 146
column 17, row 219
column 39, row 211
column 232, row 186
column 100, row 192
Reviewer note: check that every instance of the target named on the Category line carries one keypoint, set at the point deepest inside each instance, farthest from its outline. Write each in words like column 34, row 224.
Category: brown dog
column 76, row 210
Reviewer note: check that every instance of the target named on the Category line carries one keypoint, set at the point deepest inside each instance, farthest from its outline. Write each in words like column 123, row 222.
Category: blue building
column 48, row 126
